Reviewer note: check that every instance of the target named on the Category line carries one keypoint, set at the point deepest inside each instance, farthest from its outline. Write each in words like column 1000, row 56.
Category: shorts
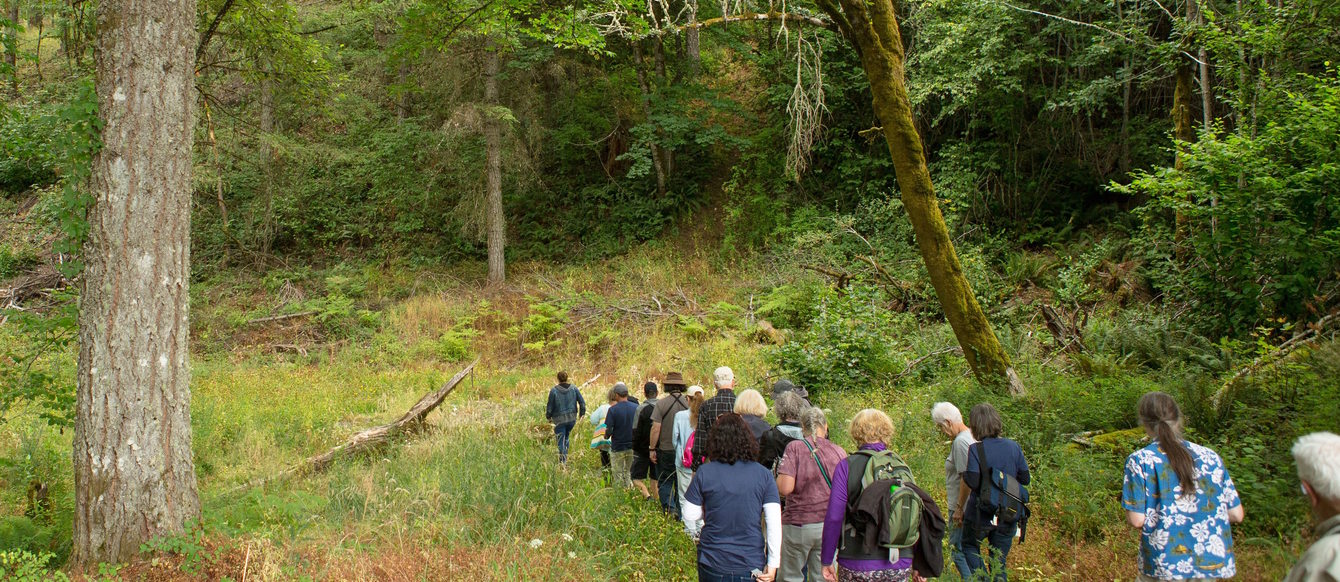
column 641, row 467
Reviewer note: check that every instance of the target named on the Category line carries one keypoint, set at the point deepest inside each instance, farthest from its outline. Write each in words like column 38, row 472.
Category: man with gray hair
column 949, row 420
column 723, row 402
column 1318, row 459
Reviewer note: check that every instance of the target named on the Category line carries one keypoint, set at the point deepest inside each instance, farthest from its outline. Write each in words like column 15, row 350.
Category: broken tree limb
column 411, row 421
column 280, row 317
column 374, row 437
column 1303, row 338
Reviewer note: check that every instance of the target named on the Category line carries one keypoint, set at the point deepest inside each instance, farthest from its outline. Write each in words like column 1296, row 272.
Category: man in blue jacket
column 565, row 407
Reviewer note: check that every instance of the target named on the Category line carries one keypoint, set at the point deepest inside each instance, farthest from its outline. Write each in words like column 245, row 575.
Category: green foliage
column 25, row 566
column 1262, row 216
column 190, row 545
column 35, row 360
column 539, row 330
column 847, row 345
column 457, row 343
column 14, row 262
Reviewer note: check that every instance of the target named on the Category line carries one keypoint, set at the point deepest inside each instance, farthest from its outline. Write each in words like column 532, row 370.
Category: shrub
column 847, row 345
column 1257, row 232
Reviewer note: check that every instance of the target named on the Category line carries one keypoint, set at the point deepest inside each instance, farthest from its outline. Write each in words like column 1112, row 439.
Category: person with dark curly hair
column 728, row 493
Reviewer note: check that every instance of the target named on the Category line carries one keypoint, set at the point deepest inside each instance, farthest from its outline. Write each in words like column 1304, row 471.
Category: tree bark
column 657, row 162
column 133, row 471
column 874, row 28
column 267, row 127
column 12, row 50
column 1185, row 134
column 497, row 228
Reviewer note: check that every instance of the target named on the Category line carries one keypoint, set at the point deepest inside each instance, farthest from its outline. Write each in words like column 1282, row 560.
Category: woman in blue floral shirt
column 1185, row 531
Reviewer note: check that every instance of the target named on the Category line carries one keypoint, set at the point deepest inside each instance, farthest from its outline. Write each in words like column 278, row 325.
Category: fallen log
column 408, row 423
column 280, row 317
column 1307, row 336
column 35, row 284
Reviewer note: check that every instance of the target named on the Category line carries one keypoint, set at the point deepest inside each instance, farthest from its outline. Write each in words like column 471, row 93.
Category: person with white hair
column 949, row 420
column 1318, row 459
column 723, row 402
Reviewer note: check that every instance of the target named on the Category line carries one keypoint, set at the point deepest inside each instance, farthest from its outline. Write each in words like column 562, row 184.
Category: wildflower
column 567, row 538
column 536, row 543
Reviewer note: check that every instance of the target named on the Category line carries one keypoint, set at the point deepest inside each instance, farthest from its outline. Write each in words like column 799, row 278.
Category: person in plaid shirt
column 723, row 402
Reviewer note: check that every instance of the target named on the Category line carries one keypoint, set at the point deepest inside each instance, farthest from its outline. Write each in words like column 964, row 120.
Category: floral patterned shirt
column 1183, row 537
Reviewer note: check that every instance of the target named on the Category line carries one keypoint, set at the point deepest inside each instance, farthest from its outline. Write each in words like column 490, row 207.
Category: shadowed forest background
column 1142, row 195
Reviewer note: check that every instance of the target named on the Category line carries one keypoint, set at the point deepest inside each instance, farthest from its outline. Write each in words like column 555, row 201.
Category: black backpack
column 1001, row 495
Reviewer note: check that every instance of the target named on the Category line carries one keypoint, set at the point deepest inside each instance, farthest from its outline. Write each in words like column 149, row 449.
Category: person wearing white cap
column 683, row 428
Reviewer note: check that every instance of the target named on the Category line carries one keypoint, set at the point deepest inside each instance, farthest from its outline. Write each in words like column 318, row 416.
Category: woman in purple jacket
column 872, row 429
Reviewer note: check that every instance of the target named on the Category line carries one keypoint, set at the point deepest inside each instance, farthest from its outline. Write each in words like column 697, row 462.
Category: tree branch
column 213, row 27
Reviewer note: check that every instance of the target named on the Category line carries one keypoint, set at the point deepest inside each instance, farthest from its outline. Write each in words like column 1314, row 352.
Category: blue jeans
column 667, row 481
column 956, row 549
column 999, row 538
column 561, row 435
column 706, row 574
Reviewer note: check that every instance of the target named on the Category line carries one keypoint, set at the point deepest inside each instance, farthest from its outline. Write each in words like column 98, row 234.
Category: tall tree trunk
column 1185, row 133
column 12, row 47
column 267, row 126
column 691, row 40
column 497, row 227
column 133, row 471
column 658, row 58
column 873, row 27
column 657, row 162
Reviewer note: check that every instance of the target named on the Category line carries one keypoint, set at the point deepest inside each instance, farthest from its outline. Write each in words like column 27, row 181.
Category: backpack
column 902, row 529
column 687, row 461
column 1001, row 495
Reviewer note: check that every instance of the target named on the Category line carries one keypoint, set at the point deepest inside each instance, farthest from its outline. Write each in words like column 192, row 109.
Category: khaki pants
column 801, row 546
column 621, row 465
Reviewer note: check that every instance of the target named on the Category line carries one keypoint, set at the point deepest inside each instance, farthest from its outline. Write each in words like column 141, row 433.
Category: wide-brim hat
column 784, row 385
column 673, row 380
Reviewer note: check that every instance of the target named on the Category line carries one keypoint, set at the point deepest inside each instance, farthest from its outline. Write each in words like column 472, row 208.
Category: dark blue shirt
column 732, row 498
column 1001, row 453
column 619, row 425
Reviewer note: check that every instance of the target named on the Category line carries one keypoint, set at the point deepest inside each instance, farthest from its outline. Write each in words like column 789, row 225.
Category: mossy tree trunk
column 134, row 476
column 872, row 26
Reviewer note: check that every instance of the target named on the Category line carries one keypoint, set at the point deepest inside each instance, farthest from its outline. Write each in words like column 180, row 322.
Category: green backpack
column 905, row 505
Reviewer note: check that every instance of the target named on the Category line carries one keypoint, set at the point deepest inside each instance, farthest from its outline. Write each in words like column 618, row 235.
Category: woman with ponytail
column 1180, row 497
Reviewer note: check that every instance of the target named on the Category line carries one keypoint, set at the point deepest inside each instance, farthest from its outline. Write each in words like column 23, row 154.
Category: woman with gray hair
column 804, row 478
column 788, row 406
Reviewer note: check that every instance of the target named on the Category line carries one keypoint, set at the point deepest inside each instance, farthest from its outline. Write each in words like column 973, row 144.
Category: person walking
column 843, row 555
column 805, row 479
column 788, row 405
column 600, row 438
column 662, row 448
column 728, row 493
column 683, row 429
column 1318, row 459
column 565, row 406
column 992, row 453
column 619, row 427
column 723, row 402
column 949, row 420
column 1181, row 498
column 750, row 406
column 641, row 470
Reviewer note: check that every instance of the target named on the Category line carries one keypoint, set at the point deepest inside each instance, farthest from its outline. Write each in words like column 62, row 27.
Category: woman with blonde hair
column 872, row 430
column 1180, row 497
column 750, row 406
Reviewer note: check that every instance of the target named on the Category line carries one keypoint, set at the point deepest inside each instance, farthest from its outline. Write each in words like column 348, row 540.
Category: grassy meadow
column 478, row 495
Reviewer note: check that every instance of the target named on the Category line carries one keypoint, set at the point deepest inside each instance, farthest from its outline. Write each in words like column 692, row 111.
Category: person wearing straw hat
column 662, row 447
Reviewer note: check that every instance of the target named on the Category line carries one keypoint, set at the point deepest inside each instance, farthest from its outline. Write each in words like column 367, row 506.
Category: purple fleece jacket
column 837, row 513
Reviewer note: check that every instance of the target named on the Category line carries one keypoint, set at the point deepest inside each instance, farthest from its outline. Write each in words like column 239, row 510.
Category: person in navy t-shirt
column 619, row 428
column 728, row 493
column 1001, row 454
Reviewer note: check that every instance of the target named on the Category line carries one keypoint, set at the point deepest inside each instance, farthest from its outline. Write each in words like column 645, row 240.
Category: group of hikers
column 783, row 502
